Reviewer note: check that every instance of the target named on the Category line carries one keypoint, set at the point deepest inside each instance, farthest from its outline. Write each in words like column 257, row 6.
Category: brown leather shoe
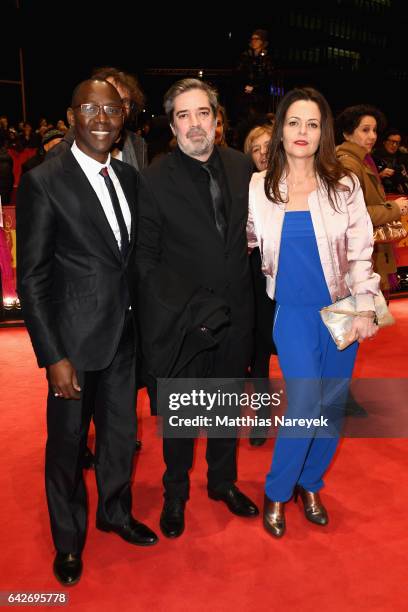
column 274, row 517
column 315, row 512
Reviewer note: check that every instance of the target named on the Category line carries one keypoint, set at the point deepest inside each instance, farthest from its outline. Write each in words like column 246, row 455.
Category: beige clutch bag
column 390, row 232
column 338, row 318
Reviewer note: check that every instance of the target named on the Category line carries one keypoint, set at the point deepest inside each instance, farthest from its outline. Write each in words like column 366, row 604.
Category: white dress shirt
column 92, row 168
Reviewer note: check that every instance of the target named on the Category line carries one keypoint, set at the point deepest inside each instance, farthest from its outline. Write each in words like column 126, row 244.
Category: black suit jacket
column 73, row 284
column 176, row 230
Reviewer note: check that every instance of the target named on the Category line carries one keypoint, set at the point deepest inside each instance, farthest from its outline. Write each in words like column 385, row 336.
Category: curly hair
column 349, row 119
column 126, row 80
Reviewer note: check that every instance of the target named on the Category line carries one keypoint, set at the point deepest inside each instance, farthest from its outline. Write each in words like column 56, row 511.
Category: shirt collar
column 87, row 162
column 194, row 165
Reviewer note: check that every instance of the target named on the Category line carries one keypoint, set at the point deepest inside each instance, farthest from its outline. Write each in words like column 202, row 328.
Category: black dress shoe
column 88, row 460
column 256, row 441
column 132, row 531
column 67, row 568
column 172, row 517
column 237, row 502
column 138, row 446
column 353, row 408
column 258, row 435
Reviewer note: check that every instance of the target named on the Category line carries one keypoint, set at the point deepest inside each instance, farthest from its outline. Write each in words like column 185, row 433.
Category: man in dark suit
column 76, row 229
column 130, row 147
column 193, row 206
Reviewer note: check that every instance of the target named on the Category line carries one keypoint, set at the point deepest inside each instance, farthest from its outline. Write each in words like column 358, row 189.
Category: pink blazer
column 344, row 238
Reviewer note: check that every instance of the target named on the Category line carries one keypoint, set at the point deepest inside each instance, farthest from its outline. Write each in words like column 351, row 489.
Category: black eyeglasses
column 396, row 143
column 91, row 110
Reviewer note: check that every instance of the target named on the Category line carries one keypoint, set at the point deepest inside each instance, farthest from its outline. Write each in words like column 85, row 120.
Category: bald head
column 82, row 90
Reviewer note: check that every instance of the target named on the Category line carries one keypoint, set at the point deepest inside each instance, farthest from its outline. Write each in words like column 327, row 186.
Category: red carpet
column 221, row 562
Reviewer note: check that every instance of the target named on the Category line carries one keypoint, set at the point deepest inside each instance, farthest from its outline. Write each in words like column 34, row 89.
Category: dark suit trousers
column 229, row 359
column 110, row 396
column 264, row 345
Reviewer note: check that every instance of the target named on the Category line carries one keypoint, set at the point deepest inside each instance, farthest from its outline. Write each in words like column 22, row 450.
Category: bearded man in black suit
column 193, row 206
column 76, row 227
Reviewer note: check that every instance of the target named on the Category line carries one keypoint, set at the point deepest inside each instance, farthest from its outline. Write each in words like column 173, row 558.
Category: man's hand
column 63, row 380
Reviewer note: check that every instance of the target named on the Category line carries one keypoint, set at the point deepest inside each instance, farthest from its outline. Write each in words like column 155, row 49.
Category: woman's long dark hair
column 327, row 167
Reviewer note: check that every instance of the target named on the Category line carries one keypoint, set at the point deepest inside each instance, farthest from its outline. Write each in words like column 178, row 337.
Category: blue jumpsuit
column 316, row 374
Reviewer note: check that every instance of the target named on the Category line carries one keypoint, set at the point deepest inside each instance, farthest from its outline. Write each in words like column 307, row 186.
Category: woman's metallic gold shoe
column 274, row 517
column 315, row 512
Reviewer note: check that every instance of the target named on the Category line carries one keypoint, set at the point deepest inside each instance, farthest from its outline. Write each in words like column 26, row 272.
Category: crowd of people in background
column 247, row 126
column 146, row 138
column 19, row 144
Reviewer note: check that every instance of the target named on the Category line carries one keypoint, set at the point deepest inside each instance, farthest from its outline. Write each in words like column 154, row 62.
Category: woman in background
column 359, row 126
column 256, row 145
column 392, row 164
column 221, row 127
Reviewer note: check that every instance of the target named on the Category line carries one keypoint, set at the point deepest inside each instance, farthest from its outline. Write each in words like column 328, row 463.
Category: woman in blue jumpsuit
column 307, row 354
column 303, row 220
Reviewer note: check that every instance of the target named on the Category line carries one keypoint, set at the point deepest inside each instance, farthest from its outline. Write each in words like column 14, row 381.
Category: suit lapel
column 89, row 201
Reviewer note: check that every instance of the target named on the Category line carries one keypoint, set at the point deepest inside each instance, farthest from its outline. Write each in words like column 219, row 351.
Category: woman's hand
column 386, row 172
column 403, row 205
column 363, row 327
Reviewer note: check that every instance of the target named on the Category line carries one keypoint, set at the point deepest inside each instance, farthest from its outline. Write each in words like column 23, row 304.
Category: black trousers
column 264, row 345
column 109, row 396
column 230, row 359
